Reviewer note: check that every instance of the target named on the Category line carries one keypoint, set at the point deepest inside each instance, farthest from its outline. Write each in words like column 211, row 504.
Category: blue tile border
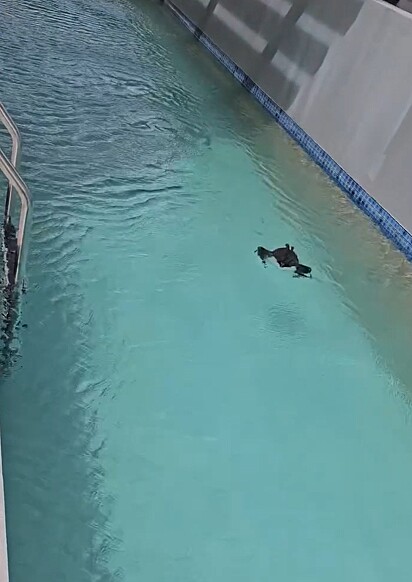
column 390, row 227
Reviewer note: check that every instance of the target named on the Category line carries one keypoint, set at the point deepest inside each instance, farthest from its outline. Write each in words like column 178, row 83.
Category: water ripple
column 130, row 137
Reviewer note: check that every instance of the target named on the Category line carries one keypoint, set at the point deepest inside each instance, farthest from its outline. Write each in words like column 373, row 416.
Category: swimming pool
column 177, row 411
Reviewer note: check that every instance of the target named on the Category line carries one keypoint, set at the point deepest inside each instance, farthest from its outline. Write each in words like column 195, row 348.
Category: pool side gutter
column 389, row 226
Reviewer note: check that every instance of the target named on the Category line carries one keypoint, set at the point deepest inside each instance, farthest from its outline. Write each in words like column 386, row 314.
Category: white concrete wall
column 341, row 68
column 358, row 106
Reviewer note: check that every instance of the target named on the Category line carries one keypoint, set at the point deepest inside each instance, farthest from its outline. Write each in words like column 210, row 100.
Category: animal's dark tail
column 302, row 270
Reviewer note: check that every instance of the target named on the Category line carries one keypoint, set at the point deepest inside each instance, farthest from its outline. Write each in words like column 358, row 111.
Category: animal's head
column 262, row 253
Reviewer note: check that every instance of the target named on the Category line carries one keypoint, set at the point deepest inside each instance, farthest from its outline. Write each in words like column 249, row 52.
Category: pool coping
column 388, row 225
column 4, row 565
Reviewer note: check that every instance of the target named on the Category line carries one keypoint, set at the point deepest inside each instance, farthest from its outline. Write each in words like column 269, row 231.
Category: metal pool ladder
column 13, row 240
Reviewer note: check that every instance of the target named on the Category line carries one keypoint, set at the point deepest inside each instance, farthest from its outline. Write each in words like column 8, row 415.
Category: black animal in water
column 286, row 258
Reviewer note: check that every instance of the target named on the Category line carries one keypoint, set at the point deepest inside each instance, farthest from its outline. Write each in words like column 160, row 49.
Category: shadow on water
column 77, row 533
column 372, row 278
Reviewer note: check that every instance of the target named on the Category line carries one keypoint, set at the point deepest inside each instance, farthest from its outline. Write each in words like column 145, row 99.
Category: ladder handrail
column 14, row 133
column 23, row 192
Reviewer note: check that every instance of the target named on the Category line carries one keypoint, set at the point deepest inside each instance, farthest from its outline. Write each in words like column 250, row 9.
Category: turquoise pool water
column 177, row 412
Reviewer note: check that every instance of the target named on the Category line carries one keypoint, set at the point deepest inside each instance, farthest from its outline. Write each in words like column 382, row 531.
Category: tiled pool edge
column 389, row 226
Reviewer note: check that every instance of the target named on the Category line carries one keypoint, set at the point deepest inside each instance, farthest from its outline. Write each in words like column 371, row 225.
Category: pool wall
column 338, row 77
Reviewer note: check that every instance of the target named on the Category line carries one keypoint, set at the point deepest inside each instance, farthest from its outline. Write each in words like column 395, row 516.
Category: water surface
column 177, row 412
